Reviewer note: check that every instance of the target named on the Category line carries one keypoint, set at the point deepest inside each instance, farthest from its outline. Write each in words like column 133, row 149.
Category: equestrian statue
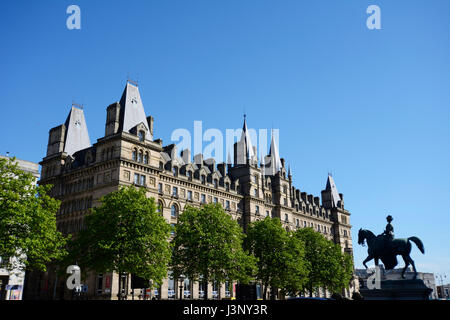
column 385, row 248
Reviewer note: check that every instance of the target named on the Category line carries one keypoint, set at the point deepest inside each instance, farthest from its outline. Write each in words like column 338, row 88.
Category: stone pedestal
column 398, row 290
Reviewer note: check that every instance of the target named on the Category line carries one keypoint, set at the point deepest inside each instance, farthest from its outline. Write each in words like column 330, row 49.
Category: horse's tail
column 418, row 243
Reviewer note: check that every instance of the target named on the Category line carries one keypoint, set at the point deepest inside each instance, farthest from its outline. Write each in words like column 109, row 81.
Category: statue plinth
column 398, row 290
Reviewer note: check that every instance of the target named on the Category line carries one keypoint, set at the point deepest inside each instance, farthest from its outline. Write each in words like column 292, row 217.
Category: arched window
column 146, row 158
column 227, row 186
column 134, row 155
column 203, row 179
column 140, row 156
column 174, row 211
column 216, row 183
column 160, row 207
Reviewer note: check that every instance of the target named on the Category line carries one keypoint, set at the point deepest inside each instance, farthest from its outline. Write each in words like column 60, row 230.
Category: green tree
column 340, row 269
column 125, row 234
column 28, row 231
column 327, row 266
column 316, row 248
column 208, row 245
column 280, row 256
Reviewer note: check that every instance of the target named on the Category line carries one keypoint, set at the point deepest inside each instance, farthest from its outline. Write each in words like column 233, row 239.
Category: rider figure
column 389, row 232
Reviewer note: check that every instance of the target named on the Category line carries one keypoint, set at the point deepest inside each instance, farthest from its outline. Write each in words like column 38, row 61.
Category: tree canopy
column 208, row 246
column 280, row 257
column 327, row 266
column 125, row 234
column 28, row 235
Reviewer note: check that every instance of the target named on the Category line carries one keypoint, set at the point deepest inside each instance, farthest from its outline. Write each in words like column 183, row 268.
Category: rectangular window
column 160, row 187
column 203, row 198
column 257, row 209
column 227, row 204
column 216, row 200
column 136, row 178
column 175, row 191
column 189, row 195
column 142, row 180
column 286, row 218
column 267, row 213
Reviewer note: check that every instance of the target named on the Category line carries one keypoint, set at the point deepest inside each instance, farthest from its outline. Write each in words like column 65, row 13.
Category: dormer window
column 175, row 171
column 141, row 135
column 189, row 174
column 203, row 179
column 216, row 183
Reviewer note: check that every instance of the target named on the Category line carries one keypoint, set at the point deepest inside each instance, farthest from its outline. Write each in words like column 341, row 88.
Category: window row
column 140, row 156
column 75, row 205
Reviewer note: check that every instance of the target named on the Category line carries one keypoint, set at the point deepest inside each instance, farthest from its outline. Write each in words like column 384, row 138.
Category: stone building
column 12, row 281
column 128, row 154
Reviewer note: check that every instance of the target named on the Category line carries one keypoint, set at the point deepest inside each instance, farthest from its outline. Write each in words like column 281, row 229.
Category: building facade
column 128, row 154
column 12, row 281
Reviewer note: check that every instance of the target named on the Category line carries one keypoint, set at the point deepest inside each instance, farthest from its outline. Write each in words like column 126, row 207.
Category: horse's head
column 361, row 237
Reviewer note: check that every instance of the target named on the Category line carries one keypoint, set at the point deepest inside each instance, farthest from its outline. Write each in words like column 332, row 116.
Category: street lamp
column 182, row 277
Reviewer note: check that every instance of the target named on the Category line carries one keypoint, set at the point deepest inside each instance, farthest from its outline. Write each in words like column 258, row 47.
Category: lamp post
column 182, row 277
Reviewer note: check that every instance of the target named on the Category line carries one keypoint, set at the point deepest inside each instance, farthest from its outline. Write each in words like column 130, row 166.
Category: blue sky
column 370, row 106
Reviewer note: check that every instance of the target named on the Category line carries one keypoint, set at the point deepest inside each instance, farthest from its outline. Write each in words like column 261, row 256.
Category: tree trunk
column 310, row 291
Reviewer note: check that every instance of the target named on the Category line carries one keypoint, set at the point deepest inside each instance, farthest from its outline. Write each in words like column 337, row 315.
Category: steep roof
column 77, row 136
column 132, row 110
column 273, row 161
column 334, row 192
column 245, row 139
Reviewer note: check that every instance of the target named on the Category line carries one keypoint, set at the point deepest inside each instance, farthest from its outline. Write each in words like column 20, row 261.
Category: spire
column 229, row 159
column 77, row 136
column 245, row 138
column 275, row 162
column 289, row 170
column 132, row 110
column 331, row 186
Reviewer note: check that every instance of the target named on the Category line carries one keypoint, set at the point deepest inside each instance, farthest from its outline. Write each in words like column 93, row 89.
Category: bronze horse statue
column 387, row 250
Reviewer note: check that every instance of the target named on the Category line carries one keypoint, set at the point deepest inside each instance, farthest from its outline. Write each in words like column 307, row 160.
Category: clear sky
column 370, row 106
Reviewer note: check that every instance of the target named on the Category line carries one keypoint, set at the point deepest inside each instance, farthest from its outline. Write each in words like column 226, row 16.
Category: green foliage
column 125, row 234
column 208, row 243
column 280, row 256
column 327, row 266
column 27, row 220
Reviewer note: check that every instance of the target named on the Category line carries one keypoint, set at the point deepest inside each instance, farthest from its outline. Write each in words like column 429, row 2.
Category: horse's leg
column 414, row 267
column 369, row 257
column 406, row 259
